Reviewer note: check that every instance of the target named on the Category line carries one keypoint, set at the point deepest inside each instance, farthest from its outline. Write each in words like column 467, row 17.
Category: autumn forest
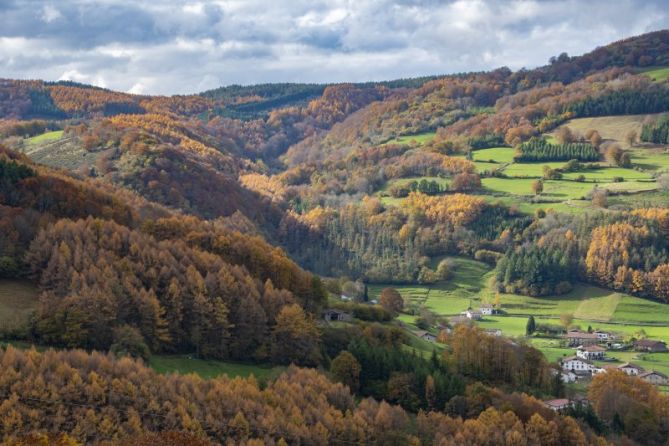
column 342, row 242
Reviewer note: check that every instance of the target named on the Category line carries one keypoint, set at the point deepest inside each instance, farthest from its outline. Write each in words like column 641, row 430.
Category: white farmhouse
column 590, row 352
column 577, row 365
column 487, row 309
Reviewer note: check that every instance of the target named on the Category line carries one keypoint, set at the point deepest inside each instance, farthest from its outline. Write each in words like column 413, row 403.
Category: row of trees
column 538, row 149
column 656, row 132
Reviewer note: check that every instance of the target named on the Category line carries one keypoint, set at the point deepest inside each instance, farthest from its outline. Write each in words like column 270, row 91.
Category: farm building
column 455, row 320
column 471, row 314
column 631, row 369
column 590, row 352
column 648, row 345
column 603, row 335
column 425, row 335
column 578, row 337
column 487, row 309
column 558, row 404
column 657, row 378
column 332, row 314
column 577, row 365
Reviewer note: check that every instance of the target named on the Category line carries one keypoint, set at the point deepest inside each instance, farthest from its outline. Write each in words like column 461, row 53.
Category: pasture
column 45, row 137
column 418, row 139
column 609, row 127
column 657, row 74
column 496, row 154
column 18, row 299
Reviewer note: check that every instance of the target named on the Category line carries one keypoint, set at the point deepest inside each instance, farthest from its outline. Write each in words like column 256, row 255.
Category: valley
column 474, row 258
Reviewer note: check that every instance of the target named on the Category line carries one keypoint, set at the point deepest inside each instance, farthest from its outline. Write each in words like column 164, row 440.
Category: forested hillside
column 349, row 229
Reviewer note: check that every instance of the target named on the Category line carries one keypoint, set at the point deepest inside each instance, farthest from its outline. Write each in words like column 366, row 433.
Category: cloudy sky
column 168, row 47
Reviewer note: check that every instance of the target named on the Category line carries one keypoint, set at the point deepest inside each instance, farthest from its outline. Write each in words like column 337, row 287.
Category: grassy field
column 651, row 158
column 45, row 137
column 18, row 299
column 657, row 73
column 642, row 200
column 609, row 127
column 183, row 364
column 418, row 139
column 553, row 189
column 607, row 174
column 496, row 154
column 529, row 170
column 448, row 297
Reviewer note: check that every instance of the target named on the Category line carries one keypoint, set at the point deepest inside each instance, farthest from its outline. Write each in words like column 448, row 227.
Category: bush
column 487, row 256
column 8, row 267
column 128, row 341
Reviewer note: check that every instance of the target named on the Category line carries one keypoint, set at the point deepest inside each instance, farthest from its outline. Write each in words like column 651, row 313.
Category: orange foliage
column 456, row 209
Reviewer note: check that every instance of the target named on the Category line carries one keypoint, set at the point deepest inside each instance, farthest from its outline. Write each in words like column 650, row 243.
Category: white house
column 657, row 378
column 631, row 369
column 487, row 309
column 558, row 404
column 577, row 365
column 590, row 352
column 603, row 335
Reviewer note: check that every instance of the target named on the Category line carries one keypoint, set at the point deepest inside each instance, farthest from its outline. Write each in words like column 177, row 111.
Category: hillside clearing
column 183, row 364
column 18, row 299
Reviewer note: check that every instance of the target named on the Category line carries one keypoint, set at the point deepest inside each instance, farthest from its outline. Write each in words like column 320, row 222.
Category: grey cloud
column 168, row 47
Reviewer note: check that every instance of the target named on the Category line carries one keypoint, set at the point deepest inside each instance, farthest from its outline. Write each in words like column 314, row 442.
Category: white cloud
column 50, row 13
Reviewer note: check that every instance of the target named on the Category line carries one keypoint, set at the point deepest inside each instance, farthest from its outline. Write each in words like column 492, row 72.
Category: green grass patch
column 18, row 299
column 496, row 154
column 635, row 309
column 641, row 200
column 657, row 74
column 607, row 174
column 417, row 139
column 530, row 170
column 183, row 364
column 653, row 159
column 598, row 308
column 553, row 189
column 45, row 137
column 447, row 297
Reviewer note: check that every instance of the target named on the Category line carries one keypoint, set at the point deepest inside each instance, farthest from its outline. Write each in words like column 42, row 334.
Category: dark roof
column 650, row 343
column 581, row 335
column 557, row 402
column 653, row 372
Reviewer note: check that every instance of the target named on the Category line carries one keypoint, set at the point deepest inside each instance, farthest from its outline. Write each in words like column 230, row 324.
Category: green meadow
column 45, row 137
column 657, row 74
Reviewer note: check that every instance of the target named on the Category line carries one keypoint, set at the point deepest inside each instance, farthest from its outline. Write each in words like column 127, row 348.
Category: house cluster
column 581, row 365
column 474, row 315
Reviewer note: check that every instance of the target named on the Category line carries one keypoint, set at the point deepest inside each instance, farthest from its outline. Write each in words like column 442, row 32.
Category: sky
column 181, row 47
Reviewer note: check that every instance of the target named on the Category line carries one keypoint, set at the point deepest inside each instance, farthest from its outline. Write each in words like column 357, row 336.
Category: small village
column 594, row 351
